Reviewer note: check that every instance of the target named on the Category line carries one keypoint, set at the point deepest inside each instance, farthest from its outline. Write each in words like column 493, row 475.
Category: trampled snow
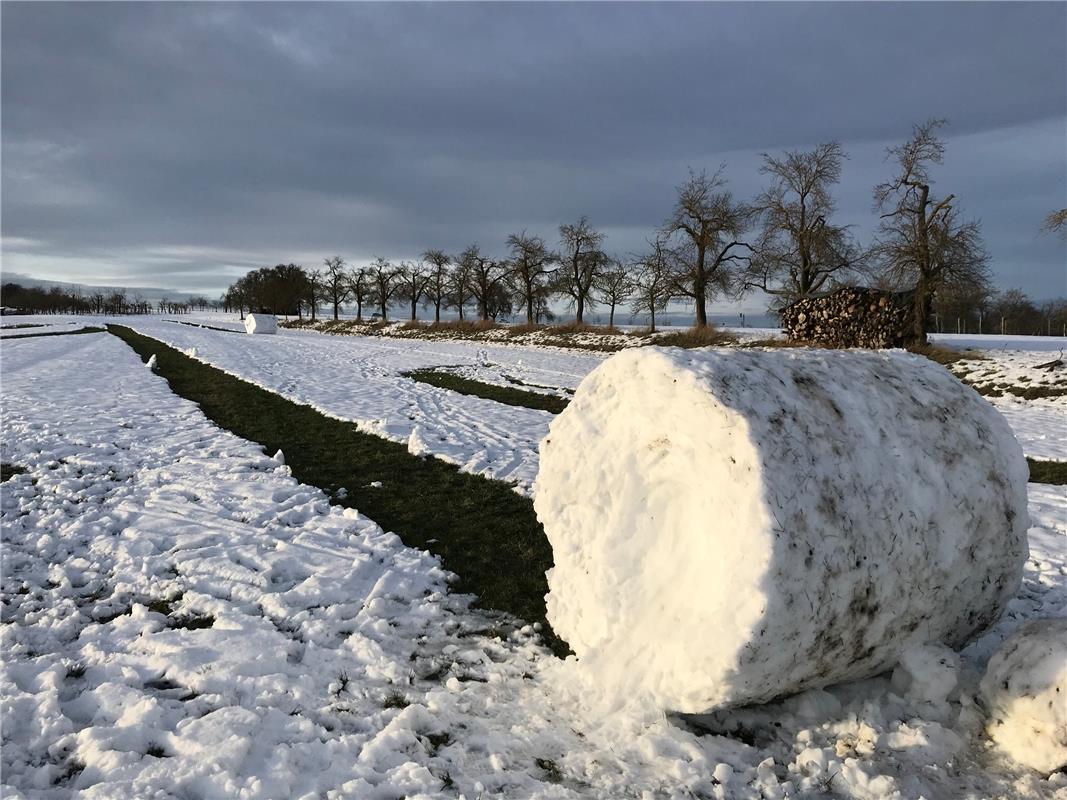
column 729, row 526
column 132, row 497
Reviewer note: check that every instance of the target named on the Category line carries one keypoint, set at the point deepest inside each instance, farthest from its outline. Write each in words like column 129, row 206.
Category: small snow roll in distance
column 730, row 526
column 261, row 323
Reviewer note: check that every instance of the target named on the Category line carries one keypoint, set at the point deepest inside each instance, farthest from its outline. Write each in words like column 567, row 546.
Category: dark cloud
column 182, row 142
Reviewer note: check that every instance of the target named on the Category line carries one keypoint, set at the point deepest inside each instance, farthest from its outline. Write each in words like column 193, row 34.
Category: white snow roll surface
column 1025, row 692
column 730, row 526
column 261, row 323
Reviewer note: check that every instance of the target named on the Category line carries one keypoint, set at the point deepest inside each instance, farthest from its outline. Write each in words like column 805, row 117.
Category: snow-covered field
column 361, row 378
column 182, row 619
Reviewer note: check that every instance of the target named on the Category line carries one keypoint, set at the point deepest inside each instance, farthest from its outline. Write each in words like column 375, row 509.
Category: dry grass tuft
column 944, row 355
column 571, row 328
column 702, row 336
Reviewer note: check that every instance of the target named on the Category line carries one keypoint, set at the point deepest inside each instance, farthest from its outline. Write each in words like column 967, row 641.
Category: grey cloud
column 386, row 128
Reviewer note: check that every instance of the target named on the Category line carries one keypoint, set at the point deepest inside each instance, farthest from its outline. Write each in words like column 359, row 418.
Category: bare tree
column 314, row 291
column 711, row 223
column 412, row 279
column 383, row 285
column 359, row 284
column 922, row 244
column 653, row 280
column 613, row 287
column 487, row 277
column 530, row 274
column 335, row 282
column 581, row 260
column 460, row 282
column 437, row 283
column 1056, row 222
column 799, row 251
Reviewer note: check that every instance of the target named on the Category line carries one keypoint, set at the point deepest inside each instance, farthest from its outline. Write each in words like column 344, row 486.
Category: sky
column 181, row 145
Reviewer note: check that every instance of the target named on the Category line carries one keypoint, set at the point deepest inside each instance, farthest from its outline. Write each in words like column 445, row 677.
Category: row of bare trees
column 784, row 242
column 73, row 300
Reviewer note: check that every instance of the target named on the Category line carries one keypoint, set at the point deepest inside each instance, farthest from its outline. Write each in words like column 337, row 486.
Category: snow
column 261, row 323
column 927, row 674
column 362, row 379
column 729, row 526
column 417, row 445
column 1025, row 692
column 1039, row 425
column 126, row 482
column 993, row 341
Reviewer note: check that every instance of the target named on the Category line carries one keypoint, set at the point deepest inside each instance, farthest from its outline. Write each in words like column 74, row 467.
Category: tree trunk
column 530, row 306
column 359, row 309
column 700, row 287
column 921, row 309
column 652, row 326
column 437, row 312
column 579, row 309
column 611, row 316
column 413, row 304
column 384, row 310
column 335, row 308
column 700, row 301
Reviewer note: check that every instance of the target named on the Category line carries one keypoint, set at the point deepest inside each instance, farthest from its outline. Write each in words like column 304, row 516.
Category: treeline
column 60, row 300
column 1007, row 312
column 784, row 242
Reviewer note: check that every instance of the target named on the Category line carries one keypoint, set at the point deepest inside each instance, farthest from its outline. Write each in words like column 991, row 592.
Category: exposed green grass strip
column 481, row 529
column 1054, row 472
column 52, row 333
column 501, row 394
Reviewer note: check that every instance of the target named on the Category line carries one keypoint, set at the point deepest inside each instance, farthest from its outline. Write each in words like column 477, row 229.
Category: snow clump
column 1025, row 693
column 417, row 444
column 731, row 526
column 927, row 675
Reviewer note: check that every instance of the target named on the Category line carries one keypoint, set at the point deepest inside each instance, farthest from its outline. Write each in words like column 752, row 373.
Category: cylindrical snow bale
column 261, row 323
column 729, row 526
column 1025, row 693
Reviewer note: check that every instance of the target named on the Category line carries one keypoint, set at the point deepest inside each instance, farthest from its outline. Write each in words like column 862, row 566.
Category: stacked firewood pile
column 851, row 317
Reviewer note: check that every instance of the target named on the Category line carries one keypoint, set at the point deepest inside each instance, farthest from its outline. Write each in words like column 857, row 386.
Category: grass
column 1025, row 392
column 705, row 336
column 89, row 329
column 489, row 391
column 598, row 338
column 9, row 471
column 1054, row 472
column 480, row 528
column 945, row 356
